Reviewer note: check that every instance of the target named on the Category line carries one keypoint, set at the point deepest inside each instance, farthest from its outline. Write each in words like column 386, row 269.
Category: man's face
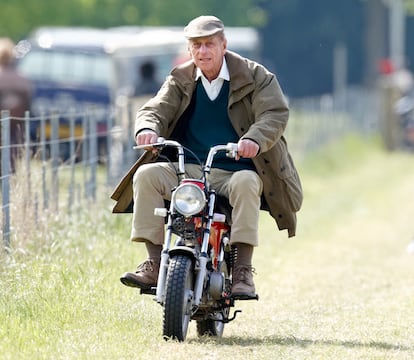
column 207, row 53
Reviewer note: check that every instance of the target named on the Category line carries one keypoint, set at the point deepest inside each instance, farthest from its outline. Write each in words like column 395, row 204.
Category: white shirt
column 213, row 88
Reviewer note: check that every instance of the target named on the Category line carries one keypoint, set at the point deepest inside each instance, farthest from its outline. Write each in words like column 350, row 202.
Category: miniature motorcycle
column 195, row 277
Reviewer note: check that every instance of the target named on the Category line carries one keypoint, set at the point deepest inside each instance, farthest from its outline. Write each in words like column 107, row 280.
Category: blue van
column 79, row 68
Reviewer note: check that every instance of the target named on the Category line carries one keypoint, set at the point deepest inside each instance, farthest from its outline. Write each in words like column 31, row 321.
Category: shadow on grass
column 293, row 341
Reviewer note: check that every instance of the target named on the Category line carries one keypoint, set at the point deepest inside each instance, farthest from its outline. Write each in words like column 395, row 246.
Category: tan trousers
column 153, row 183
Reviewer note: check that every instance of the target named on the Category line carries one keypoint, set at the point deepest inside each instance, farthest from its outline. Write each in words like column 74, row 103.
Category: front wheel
column 178, row 298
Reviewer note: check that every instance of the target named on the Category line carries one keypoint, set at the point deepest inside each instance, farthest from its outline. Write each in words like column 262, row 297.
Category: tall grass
column 341, row 289
column 42, row 199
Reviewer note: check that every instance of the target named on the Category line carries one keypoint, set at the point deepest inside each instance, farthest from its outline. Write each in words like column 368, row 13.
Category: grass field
column 341, row 289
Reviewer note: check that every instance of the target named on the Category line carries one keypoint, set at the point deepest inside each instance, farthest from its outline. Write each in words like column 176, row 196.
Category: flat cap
column 205, row 25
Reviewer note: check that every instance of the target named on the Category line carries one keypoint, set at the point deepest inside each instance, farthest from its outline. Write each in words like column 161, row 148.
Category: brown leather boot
column 243, row 285
column 145, row 277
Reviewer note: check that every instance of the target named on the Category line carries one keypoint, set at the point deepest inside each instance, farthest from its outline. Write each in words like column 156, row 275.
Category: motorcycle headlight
column 188, row 199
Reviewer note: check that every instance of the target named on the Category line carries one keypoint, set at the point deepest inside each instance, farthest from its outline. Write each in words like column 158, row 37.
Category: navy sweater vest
column 209, row 125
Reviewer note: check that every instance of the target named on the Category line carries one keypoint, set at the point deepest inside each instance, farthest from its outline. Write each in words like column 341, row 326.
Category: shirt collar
column 224, row 72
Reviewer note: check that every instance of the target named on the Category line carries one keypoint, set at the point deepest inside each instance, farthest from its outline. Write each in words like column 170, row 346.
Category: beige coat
column 257, row 110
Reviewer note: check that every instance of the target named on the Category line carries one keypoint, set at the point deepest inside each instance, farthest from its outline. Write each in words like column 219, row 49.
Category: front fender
column 183, row 250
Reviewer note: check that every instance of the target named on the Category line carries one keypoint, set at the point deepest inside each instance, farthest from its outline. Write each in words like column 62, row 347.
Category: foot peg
column 151, row 291
column 244, row 297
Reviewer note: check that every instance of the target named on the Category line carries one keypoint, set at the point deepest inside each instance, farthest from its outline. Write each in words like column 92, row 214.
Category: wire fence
column 61, row 161
column 53, row 167
column 316, row 121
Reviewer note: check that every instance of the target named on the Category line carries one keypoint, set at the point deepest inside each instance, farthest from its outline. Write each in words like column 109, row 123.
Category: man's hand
column 247, row 148
column 146, row 137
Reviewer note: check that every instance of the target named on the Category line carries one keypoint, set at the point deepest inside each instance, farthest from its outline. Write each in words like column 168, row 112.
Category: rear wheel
column 210, row 327
column 215, row 325
column 178, row 298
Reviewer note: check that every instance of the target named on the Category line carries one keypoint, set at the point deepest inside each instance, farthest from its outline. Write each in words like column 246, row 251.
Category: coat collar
column 240, row 74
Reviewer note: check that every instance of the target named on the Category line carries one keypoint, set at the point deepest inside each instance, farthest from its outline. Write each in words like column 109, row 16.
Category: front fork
column 201, row 264
column 201, row 276
column 164, row 262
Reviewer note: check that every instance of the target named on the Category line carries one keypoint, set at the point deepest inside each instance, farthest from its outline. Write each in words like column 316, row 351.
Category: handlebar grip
column 232, row 146
column 160, row 141
column 231, row 150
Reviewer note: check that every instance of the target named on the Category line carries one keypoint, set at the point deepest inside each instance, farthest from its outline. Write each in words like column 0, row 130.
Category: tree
column 18, row 17
column 409, row 6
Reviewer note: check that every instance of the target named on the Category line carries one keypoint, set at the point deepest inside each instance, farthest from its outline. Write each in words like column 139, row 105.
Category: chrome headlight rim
column 188, row 199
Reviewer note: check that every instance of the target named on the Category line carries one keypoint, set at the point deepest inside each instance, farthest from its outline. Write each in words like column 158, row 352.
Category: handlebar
column 231, row 152
column 230, row 148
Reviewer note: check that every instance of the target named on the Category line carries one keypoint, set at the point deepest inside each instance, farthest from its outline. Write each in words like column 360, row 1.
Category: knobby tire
column 178, row 298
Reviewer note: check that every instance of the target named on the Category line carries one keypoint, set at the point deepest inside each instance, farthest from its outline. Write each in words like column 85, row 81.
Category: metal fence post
column 54, row 153
column 43, row 153
column 28, row 154
column 93, row 154
column 110, row 125
column 72, row 152
column 85, row 143
column 5, row 175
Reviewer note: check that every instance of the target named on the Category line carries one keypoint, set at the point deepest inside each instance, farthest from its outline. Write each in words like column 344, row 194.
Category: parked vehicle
column 87, row 68
column 195, row 277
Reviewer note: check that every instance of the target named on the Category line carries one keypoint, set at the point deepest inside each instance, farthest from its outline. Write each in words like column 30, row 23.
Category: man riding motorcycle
column 216, row 97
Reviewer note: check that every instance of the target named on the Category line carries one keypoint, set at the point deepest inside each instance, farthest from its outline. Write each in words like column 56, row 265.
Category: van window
column 68, row 67
column 128, row 68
